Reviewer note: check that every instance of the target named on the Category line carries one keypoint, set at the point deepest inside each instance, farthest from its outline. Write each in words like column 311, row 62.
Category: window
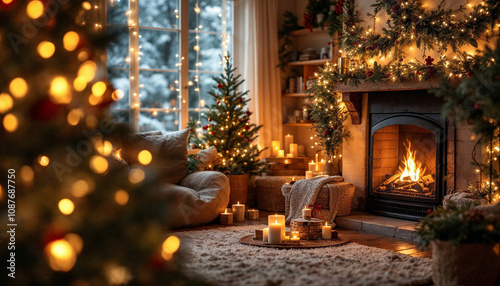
column 164, row 58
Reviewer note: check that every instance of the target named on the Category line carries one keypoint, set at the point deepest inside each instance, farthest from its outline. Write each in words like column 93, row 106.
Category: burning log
column 428, row 179
column 391, row 179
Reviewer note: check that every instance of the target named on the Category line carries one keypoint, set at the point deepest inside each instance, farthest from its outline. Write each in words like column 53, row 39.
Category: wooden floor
column 375, row 240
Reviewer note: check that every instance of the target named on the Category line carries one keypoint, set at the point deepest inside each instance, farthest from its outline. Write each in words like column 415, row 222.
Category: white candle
column 289, row 155
column 226, row 217
column 288, row 141
column 253, row 214
column 316, row 158
column 265, row 234
column 275, row 232
column 294, row 150
column 321, row 166
column 306, row 213
column 312, row 166
column 309, row 174
column 281, row 153
column 294, row 239
column 275, row 148
column 279, row 219
column 326, row 231
column 239, row 212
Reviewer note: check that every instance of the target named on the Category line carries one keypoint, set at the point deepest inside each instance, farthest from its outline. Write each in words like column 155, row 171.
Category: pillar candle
column 321, row 166
column 294, row 150
column 289, row 155
column 301, row 149
column 309, row 174
column 275, row 233
column 265, row 234
column 253, row 214
column 275, row 148
column 326, row 231
column 279, row 219
column 226, row 217
column 281, row 153
column 239, row 212
column 288, row 141
column 294, row 233
column 312, row 167
column 306, row 213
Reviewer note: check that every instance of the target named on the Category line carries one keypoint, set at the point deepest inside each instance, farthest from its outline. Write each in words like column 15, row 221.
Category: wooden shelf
column 304, row 32
column 298, row 124
column 310, row 63
column 295, row 95
column 388, row 85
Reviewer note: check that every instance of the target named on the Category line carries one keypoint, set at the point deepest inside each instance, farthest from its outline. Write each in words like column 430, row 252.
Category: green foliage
column 457, row 226
column 229, row 129
column 328, row 113
column 289, row 25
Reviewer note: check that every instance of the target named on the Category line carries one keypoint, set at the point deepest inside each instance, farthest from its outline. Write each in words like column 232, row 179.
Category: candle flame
column 293, row 178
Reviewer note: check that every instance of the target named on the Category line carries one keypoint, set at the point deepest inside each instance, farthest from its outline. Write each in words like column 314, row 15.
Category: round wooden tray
column 303, row 244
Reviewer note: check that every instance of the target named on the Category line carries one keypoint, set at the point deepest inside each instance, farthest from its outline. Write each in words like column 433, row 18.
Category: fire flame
column 412, row 168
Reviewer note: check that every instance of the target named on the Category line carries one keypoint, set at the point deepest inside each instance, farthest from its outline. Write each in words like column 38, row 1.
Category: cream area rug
column 217, row 257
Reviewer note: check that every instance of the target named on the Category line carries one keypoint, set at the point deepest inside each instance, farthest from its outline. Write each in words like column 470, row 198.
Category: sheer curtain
column 256, row 57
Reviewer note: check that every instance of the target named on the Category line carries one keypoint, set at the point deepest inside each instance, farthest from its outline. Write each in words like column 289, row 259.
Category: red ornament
column 395, row 8
column 213, row 132
column 369, row 73
column 247, row 139
column 476, row 106
column 334, row 127
column 219, row 85
column 326, row 132
column 218, row 101
column 354, row 44
column 205, row 127
column 239, row 119
column 431, row 71
column 210, row 119
column 388, row 74
column 400, row 59
column 338, row 9
column 308, row 22
column 240, row 100
column 248, row 112
column 418, row 73
column 329, row 43
column 429, row 60
column 340, row 34
column 470, row 74
column 247, row 127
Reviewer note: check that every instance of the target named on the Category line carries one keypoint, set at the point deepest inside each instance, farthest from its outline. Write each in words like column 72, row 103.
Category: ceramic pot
column 320, row 18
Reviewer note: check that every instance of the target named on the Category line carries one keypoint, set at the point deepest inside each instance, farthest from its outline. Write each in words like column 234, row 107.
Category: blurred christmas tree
column 73, row 214
column 228, row 128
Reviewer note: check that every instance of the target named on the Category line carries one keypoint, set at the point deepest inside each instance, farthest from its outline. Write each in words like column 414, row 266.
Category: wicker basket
column 269, row 196
column 239, row 188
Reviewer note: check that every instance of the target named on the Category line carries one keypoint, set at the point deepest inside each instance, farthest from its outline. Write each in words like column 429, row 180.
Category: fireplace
column 406, row 160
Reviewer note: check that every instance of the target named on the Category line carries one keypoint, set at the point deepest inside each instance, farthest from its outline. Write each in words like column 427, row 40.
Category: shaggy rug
column 216, row 256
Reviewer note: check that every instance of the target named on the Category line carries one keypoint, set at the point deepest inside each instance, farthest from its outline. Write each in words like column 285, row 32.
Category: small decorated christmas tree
column 229, row 128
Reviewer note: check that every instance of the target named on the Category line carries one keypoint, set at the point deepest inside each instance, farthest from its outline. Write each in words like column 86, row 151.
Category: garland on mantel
column 410, row 24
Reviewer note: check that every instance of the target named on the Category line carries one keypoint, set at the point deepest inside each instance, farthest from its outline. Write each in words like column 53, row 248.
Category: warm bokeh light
column 34, row 9
column 117, row 94
column 75, row 241
column 91, row 121
column 121, row 197
column 46, row 49
column 7, row 1
column 18, row 87
column 74, row 116
column 66, row 206
column 6, row 102
column 94, row 100
column 136, row 175
column 118, row 275
column 98, row 164
column 1, row 193
column 86, row 6
column 145, row 157
column 98, row 88
column 43, row 160
column 79, row 83
column 104, row 147
column 70, row 40
column 59, row 91
column 170, row 246
column 61, row 255
column 10, row 122
column 83, row 56
column 27, row 174
column 80, row 188
column 87, row 70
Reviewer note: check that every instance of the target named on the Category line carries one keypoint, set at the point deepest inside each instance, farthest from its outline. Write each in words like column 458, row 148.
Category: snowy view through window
column 148, row 48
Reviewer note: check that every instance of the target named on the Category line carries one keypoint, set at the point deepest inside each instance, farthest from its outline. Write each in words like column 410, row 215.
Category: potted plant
column 328, row 115
column 228, row 128
column 465, row 246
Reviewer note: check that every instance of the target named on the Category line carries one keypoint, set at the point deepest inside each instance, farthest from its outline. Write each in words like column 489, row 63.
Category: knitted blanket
column 304, row 193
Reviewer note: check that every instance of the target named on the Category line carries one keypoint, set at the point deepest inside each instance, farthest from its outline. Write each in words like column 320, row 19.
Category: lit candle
column 253, row 214
column 276, row 147
column 294, row 150
column 281, row 153
column 309, row 174
column 274, row 236
column 265, row 234
column 326, row 231
column 239, row 212
column 226, row 217
column 306, row 213
column 289, row 155
column 321, row 166
column 312, row 166
column 279, row 219
column 288, row 141
column 294, row 236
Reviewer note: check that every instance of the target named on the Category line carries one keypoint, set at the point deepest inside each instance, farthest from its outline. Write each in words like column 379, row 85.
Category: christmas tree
column 228, row 128
column 72, row 212
column 328, row 113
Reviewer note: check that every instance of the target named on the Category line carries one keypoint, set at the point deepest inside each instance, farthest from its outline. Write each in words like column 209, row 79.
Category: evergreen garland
column 229, row 129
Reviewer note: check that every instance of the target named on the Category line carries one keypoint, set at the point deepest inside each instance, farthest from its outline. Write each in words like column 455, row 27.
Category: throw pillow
column 206, row 158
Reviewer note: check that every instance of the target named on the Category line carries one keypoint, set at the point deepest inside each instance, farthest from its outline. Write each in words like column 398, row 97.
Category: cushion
column 206, row 157
column 169, row 153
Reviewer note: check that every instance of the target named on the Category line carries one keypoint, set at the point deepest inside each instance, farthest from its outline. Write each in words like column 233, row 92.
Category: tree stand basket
column 239, row 189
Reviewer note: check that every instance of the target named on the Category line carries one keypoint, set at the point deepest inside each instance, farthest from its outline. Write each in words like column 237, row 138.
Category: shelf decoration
column 411, row 25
